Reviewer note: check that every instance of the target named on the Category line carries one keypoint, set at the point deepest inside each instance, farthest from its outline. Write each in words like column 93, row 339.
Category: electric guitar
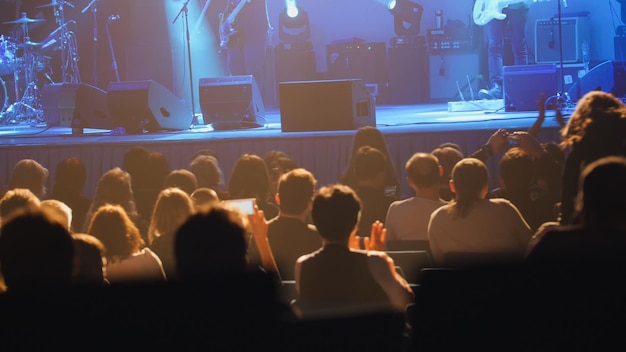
column 227, row 29
column 486, row 10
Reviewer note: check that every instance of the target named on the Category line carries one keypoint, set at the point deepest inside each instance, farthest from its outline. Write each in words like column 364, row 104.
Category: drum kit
column 26, row 61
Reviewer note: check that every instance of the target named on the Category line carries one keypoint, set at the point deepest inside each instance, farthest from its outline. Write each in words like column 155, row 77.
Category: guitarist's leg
column 494, row 31
column 517, row 32
column 235, row 56
column 495, row 43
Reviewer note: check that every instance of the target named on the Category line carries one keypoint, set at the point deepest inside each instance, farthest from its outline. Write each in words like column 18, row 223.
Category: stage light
column 293, row 24
column 407, row 16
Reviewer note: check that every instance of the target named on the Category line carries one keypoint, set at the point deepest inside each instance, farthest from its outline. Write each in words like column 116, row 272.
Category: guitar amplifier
column 575, row 32
column 365, row 61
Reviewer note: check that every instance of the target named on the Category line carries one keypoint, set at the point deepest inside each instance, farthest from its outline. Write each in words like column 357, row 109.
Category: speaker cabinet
column 294, row 64
column 523, row 85
column 77, row 106
column 325, row 105
column 231, row 102
column 575, row 31
column 146, row 106
column 451, row 73
column 407, row 74
column 58, row 101
column 366, row 61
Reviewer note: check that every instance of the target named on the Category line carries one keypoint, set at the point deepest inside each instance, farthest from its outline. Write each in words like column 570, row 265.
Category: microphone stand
column 114, row 61
column 94, row 9
column 184, row 10
column 562, row 96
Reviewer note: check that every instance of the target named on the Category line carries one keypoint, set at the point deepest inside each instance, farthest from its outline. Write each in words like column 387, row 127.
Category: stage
column 407, row 128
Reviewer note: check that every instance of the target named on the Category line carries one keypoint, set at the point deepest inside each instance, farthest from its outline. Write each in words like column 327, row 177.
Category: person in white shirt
column 407, row 219
column 473, row 230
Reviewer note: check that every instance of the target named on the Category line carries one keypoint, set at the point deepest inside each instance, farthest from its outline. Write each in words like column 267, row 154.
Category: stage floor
column 408, row 129
column 404, row 118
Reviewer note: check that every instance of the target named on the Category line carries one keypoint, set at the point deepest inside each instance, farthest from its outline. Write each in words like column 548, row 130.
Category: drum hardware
column 8, row 58
column 27, row 109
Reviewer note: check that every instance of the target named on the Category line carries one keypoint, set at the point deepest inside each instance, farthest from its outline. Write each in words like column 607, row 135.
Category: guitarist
column 513, row 27
column 245, row 39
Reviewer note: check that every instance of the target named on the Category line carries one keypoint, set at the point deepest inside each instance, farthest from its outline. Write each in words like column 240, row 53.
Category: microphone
column 113, row 18
column 565, row 3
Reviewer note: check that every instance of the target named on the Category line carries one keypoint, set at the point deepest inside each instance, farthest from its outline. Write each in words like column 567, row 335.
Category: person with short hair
column 336, row 277
column 407, row 219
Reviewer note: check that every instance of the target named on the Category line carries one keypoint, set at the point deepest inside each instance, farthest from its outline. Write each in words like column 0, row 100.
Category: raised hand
column 376, row 241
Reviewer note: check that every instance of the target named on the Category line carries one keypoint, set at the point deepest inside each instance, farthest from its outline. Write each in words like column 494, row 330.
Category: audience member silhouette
column 549, row 176
column 336, row 278
column 290, row 234
column 207, row 172
column 128, row 261
column 15, row 200
column 447, row 156
column 69, row 183
column 89, row 261
column 474, row 230
column 595, row 129
column 407, row 220
column 36, row 254
column 30, row 174
column 250, row 179
column 114, row 187
column 182, row 179
column 173, row 207
column 371, row 136
column 58, row 211
column 212, row 154
column 213, row 243
column 156, row 170
column 278, row 163
column 369, row 170
column 516, row 179
column 203, row 197
column 600, row 235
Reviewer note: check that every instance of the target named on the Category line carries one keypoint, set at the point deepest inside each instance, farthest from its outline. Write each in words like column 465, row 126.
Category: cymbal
column 24, row 19
column 30, row 44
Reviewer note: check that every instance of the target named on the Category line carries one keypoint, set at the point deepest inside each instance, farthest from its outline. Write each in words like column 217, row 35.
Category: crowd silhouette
column 159, row 259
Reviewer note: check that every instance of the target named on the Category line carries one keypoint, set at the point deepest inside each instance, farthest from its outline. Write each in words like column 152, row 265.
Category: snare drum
column 8, row 60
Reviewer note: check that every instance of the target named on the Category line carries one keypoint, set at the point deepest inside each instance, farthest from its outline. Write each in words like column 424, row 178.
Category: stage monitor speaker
column 58, row 101
column 231, row 102
column 146, row 106
column 325, row 105
column 606, row 77
column 452, row 73
column 523, row 85
column 575, row 31
column 77, row 106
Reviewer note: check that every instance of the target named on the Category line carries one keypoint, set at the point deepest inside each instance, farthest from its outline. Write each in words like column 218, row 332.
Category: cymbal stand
column 69, row 47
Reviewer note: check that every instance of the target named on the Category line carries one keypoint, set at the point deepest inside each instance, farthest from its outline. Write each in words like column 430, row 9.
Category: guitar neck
column 235, row 12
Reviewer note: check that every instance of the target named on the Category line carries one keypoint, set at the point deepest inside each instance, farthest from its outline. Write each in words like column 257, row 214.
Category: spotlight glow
column 292, row 8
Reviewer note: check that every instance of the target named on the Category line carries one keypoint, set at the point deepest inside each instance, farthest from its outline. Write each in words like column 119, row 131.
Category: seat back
column 411, row 263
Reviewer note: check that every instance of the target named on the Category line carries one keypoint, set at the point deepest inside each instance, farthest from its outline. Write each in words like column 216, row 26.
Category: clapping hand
column 376, row 241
